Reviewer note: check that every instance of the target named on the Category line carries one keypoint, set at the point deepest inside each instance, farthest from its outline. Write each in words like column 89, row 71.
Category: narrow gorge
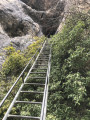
column 22, row 19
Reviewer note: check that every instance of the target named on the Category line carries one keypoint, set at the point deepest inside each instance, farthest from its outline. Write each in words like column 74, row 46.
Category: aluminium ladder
column 33, row 93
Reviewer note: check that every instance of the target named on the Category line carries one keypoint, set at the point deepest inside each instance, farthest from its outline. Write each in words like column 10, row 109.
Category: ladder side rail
column 45, row 97
column 8, row 93
column 43, row 103
column 16, row 96
column 34, row 62
column 48, row 74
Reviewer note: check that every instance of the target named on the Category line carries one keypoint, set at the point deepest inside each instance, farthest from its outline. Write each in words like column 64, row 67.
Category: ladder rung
column 45, row 52
column 45, row 49
column 41, row 65
column 39, row 68
column 28, row 102
column 38, row 72
column 19, row 116
column 32, row 92
column 34, row 84
column 46, row 44
column 38, row 77
column 45, row 55
column 42, row 60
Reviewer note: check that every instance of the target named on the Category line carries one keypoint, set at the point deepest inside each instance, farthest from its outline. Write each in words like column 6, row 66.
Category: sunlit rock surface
column 15, row 26
column 20, row 20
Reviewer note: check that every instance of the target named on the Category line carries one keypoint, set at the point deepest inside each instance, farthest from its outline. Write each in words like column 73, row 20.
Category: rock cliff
column 49, row 19
column 22, row 19
column 41, row 5
column 15, row 26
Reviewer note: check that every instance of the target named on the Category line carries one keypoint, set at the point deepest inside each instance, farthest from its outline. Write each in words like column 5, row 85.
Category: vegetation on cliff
column 12, row 67
column 69, row 97
column 16, row 60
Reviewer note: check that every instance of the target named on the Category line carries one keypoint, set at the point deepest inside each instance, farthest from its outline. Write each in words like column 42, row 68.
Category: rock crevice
column 48, row 20
column 20, row 20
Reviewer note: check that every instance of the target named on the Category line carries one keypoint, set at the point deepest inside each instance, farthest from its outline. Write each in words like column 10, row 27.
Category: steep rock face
column 80, row 5
column 50, row 19
column 35, row 4
column 19, row 19
column 13, row 19
column 15, row 27
column 41, row 5
column 74, row 5
column 15, row 16
column 20, row 43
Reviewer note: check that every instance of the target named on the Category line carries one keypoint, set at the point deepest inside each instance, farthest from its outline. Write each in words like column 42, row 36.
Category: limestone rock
column 13, row 19
column 79, row 5
column 15, row 26
column 50, row 19
column 41, row 5
column 20, row 20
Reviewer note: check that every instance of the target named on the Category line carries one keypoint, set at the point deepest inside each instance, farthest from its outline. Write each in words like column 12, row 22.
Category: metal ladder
column 33, row 92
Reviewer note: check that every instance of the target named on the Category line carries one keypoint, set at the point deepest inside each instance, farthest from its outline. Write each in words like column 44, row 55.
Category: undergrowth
column 69, row 97
column 14, row 63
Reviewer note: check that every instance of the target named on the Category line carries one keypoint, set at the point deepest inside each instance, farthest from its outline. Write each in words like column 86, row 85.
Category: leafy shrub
column 9, row 50
column 30, row 51
column 69, row 87
column 14, row 63
column 51, row 117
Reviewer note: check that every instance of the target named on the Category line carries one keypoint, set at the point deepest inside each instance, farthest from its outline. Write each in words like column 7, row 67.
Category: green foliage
column 30, row 51
column 5, row 85
column 75, row 87
column 14, row 63
column 27, row 110
column 9, row 50
column 70, row 80
column 51, row 117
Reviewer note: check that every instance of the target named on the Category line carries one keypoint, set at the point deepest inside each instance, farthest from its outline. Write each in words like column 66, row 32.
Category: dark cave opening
column 48, row 32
